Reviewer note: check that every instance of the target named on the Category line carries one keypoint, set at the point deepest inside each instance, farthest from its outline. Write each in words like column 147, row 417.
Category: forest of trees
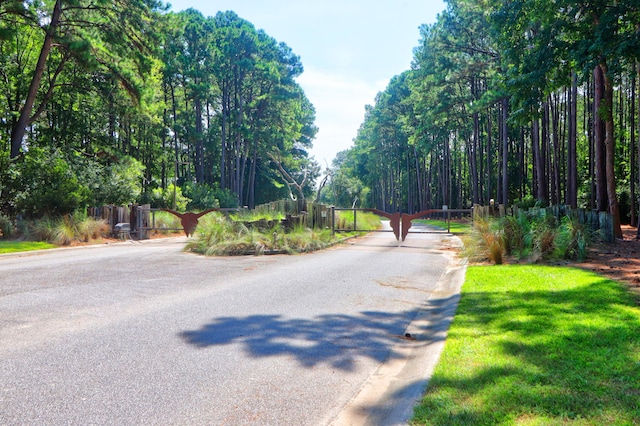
column 527, row 102
column 115, row 101
column 521, row 102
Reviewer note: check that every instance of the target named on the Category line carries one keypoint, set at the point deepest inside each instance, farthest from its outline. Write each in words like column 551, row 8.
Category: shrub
column 573, row 239
column 88, row 228
column 64, row 232
column 201, row 196
column 544, row 230
column 165, row 198
column 44, row 183
column 227, row 199
column 516, row 231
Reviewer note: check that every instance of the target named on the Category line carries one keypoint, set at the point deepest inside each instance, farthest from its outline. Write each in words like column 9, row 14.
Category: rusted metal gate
column 400, row 222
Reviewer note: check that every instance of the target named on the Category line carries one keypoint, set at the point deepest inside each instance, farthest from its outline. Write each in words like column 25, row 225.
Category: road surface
column 146, row 334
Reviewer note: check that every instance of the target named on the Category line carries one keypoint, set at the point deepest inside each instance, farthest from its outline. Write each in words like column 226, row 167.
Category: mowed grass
column 18, row 246
column 456, row 227
column 538, row 345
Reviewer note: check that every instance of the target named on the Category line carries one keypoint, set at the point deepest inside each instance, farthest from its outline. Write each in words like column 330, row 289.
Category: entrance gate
column 401, row 222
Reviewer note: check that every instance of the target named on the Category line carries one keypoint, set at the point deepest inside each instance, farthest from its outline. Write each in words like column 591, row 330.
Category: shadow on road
column 337, row 340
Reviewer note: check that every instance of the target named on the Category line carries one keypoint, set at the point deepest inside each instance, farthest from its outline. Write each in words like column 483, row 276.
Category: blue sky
column 350, row 49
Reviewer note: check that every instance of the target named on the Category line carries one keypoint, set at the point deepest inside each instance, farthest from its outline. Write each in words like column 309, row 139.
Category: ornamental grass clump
column 535, row 235
column 218, row 235
column 486, row 241
column 64, row 230
column 573, row 239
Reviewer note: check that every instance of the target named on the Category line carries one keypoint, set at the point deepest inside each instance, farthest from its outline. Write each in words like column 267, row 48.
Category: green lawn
column 454, row 226
column 16, row 246
column 538, row 345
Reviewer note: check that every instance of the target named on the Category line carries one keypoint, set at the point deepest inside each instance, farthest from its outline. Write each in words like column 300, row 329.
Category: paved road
column 145, row 334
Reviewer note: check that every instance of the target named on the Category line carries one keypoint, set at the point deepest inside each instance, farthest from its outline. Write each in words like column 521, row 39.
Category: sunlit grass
column 365, row 221
column 538, row 345
column 18, row 246
column 454, row 226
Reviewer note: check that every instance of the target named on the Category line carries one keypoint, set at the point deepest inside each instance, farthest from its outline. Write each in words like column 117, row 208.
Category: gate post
column 355, row 222
column 333, row 220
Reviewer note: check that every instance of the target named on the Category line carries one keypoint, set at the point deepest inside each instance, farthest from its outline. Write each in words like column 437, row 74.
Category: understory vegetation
column 547, row 345
column 533, row 237
column 59, row 230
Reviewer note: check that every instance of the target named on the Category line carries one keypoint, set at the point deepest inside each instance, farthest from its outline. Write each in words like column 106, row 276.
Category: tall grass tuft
column 64, row 230
column 88, row 228
column 573, row 240
column 486, row 241
column 516, row 234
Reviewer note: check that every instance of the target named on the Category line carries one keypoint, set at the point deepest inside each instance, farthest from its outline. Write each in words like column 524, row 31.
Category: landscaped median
column 249, row 234
column 538, row 345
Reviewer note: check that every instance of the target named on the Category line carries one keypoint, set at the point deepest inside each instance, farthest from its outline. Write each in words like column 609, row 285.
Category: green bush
column 227, row 199
column 118, row 181
column 44, row 183
column 169, row 198
column 201, row 196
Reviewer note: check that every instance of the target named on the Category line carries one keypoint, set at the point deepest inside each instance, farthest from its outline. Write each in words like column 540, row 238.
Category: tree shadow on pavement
column 337, row 340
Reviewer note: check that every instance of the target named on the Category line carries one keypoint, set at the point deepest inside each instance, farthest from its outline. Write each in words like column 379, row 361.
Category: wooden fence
column 137, row 216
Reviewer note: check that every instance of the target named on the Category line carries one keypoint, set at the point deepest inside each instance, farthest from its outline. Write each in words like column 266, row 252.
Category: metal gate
column 400, row 222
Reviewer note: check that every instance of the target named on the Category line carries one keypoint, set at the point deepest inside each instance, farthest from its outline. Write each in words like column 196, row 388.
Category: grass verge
column 456, row 227
column 548, row 345
column 17, row 246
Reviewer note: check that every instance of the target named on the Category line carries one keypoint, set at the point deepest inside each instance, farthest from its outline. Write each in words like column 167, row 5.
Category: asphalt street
column 146, row 334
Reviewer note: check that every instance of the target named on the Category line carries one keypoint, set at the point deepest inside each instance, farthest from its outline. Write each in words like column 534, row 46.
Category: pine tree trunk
column 572, row 161
column 609, row 142
column 20, row 126
column 505, row 153
column 599, row 132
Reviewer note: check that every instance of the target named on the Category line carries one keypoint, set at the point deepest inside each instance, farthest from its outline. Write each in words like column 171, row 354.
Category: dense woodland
column 521, row 102
column 526, row 102
column 105, row 101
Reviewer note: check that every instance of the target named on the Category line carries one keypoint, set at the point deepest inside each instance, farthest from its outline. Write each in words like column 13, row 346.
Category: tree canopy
column 124, row 99
column 517, row 102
